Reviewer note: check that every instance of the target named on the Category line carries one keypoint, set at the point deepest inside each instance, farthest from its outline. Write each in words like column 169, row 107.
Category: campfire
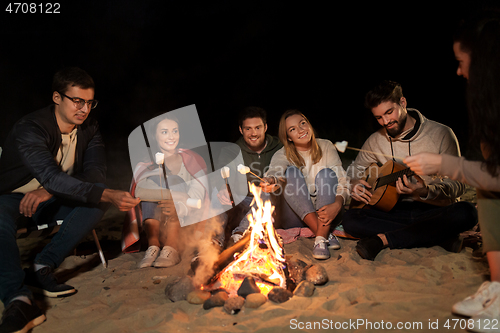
column 259, row 254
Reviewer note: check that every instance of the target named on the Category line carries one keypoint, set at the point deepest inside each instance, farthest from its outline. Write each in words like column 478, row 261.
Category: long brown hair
column 292, row 155
column 480, row 37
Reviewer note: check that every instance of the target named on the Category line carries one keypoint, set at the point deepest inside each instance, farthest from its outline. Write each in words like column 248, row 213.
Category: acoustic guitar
column 383, row 182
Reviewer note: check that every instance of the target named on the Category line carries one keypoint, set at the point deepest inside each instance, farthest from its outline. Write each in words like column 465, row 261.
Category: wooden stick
column 161, row 188
column 257, row 176
column 368, row 151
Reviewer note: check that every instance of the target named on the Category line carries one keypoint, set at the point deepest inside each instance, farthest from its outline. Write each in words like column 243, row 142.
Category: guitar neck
column 391, row 178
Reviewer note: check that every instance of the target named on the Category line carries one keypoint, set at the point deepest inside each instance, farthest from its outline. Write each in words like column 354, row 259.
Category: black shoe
column 454, row 244
column 368, row 248
column 44, row 282
column 20, row 317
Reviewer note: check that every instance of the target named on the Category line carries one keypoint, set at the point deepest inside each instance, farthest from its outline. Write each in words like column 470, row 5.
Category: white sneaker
column 236, row 238
column 472, row 305
column 149, row 258
column 488, row 319
column 168, row 257
column 320, row 250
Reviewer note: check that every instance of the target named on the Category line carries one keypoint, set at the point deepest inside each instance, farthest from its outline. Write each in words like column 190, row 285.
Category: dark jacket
column 30, row 150
column 259, row 162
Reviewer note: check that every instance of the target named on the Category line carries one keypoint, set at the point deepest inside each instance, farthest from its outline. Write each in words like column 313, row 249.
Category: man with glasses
column 52, row 168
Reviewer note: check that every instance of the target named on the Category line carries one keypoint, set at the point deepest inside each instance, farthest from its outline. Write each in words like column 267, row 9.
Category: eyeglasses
column 80, row 102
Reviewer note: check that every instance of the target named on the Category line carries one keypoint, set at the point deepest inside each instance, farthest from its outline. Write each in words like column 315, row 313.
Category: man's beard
column 400, row 125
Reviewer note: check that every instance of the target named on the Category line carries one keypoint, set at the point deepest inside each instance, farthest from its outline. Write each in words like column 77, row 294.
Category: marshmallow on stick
column 159, row 158
column 342, row 146
column 193, row 203
column 224, row 172
column 243, row 169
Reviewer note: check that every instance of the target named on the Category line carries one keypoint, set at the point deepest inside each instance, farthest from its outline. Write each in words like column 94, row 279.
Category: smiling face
column 253, row 131
column 298, row 131
column 67, row 114
column 392, row 116
column 167, row 136
column 463, row 59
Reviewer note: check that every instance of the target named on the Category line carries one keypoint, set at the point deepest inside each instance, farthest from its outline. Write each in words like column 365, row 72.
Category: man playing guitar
column 424, row 211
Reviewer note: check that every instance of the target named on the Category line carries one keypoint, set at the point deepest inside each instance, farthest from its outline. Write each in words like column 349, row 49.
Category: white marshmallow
column 193, row 203
column 243, row 169
column 341, row 146
column 159, row 158
column 224, row 172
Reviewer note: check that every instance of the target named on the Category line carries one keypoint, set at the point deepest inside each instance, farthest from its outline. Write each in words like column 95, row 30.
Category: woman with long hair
column 477, row 49
column 316, row 183
column 165, row 206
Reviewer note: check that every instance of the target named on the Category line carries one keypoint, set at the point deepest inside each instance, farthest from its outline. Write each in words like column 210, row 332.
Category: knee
column 326, row 173
column 352, row 221
column 326, row 182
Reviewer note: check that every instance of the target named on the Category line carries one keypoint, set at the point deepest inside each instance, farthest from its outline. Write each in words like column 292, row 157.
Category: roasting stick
column 99, row 249
column 225, row 171
column 342, row 146
column 160, row 159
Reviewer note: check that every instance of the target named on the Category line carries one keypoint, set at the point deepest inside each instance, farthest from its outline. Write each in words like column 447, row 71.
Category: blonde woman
column 316, row 188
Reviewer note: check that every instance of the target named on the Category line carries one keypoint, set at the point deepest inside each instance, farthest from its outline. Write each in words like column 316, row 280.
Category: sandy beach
column 414, row 287
column 402, row 290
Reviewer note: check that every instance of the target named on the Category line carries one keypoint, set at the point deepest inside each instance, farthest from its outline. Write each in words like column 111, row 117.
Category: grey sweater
column 426, row 136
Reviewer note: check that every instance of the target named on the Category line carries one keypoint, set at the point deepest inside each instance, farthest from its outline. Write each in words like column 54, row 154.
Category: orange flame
column 263, row 258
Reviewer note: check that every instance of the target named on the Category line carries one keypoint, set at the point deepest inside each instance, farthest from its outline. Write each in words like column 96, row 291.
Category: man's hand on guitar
column 404, row 186
column 360, row 192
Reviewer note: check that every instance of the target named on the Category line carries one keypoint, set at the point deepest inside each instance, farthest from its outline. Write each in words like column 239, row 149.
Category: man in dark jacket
column 52, row 168
column 257, row 148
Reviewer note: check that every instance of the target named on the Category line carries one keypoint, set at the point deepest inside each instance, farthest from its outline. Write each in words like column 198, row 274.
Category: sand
column 412, row 288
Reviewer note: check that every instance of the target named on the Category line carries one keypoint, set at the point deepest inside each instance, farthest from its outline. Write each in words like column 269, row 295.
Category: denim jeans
column 78, row 220
column 241, row 212
column 296, row 201
column 412, row 224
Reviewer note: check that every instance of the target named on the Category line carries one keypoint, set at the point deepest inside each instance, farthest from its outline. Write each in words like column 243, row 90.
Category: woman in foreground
column 477, row 49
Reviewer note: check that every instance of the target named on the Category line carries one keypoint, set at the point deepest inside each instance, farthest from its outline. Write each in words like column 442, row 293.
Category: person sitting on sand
column 52, row 167
column 316, row 185
column 257, row 148
column 477, row 46
column 415, row 220
column 165, row 207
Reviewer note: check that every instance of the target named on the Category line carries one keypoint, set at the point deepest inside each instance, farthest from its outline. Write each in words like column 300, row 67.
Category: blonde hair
column 292, row 155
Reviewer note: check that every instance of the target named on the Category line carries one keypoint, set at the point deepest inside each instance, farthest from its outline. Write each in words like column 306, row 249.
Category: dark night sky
column 149, row 57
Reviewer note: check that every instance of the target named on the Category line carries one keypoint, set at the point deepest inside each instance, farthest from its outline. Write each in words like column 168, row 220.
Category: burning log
column 228, row 255
column 258, row 254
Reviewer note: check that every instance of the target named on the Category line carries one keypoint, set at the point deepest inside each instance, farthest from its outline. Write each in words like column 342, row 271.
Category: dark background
column 150, row 57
